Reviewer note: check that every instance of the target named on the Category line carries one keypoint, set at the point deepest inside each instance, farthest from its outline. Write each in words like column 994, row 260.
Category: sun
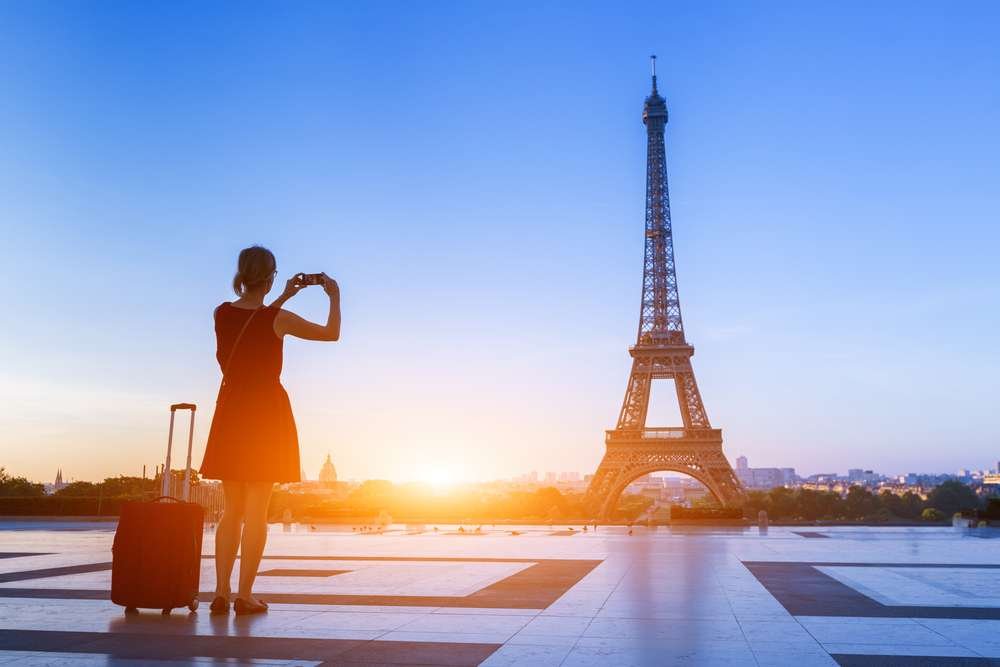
column 438, row 477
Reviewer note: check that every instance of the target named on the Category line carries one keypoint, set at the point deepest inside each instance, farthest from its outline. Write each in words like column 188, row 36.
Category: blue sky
column 473, row 175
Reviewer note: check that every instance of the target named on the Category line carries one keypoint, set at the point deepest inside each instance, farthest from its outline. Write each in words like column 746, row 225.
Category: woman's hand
column 292, row 288
column 288, row 323
column 331, row 287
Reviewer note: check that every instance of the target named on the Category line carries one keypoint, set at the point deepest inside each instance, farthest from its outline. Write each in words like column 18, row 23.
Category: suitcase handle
column 165, row 485
column 156, row 500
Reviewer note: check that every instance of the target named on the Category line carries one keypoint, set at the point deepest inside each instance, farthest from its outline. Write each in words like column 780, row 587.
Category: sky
column 473, row 176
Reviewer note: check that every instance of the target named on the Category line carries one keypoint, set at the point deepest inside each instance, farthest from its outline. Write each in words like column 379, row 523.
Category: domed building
column 328, row 473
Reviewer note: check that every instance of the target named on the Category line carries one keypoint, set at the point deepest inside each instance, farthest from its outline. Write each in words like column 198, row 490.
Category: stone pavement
column 548, row 596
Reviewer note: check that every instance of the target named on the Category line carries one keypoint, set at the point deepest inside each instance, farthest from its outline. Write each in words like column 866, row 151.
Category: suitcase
column 156, row 556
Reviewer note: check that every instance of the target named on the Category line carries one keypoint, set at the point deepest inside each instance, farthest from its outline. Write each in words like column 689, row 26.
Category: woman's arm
column 292, row 288
column 286, row 323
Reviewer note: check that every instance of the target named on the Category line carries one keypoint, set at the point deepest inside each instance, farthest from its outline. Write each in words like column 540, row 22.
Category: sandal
column 244, row 608
column 220, row 605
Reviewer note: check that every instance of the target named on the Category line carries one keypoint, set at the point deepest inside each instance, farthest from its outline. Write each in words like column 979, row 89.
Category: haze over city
column 834, row 207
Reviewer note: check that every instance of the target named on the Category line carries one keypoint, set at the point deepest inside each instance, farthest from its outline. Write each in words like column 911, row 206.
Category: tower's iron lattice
column 660, row 352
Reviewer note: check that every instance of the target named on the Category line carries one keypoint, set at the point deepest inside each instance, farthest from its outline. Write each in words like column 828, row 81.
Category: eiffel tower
column 660, row 352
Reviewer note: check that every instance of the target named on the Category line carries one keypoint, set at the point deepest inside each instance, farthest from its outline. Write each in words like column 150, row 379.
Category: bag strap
column 232, row 350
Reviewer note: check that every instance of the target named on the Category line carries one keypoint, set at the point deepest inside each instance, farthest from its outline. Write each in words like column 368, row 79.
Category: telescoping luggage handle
column 165, row 487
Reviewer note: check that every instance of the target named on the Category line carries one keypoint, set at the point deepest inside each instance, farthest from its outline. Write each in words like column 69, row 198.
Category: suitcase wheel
column 166, row 612
column 131, row 611
column 193, row 606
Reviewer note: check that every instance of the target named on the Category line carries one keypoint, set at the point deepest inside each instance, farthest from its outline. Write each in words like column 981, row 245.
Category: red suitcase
column 156, row 557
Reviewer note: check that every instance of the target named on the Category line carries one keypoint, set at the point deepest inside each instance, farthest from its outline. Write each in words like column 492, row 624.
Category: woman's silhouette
column 253, row 442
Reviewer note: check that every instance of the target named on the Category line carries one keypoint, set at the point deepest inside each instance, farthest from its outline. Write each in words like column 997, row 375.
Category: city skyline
column 541, row 475
column 824, row 255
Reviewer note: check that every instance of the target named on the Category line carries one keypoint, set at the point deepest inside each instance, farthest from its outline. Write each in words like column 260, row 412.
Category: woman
column 253, row 442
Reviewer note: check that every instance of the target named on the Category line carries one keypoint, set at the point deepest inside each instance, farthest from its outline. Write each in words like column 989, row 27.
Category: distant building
column 863, row 477
column 56, row 485
column 551, row 478
column 528, row 478
column 646, row 484
column 763, row 478
column 328, row 473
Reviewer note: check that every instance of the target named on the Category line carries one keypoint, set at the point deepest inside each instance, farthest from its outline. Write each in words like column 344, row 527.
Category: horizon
column 449, row 483
column 833, row 195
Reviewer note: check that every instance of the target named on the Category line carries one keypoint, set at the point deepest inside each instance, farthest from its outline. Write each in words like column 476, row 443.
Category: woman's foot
column 245, row 607
column 220, row 605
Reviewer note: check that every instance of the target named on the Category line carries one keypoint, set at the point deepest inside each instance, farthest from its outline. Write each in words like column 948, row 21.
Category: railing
column 665, row 338
column 209, row 496
column 665, row 433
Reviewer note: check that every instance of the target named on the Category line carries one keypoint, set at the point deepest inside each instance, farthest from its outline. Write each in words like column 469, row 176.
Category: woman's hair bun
column 255, row 266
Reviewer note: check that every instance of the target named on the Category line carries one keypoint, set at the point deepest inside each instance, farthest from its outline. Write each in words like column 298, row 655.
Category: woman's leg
column 227, row 535
column 258, row 496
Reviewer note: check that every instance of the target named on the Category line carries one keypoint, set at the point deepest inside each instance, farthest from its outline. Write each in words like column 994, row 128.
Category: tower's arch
column 610, row 502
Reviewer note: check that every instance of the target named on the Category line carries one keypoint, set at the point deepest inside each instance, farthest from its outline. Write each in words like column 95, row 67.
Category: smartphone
column 311, row 279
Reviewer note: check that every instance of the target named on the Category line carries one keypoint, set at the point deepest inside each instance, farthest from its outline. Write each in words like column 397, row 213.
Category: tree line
column 419, row 503
column 416, row 502
column 860, row 504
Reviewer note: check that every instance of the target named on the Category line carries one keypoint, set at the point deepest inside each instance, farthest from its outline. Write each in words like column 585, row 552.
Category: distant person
column 253, row 443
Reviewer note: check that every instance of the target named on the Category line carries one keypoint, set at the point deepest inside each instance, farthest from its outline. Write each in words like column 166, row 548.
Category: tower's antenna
column 652, row 65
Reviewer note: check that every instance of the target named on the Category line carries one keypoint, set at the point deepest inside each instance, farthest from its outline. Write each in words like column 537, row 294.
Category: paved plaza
column 546, row 596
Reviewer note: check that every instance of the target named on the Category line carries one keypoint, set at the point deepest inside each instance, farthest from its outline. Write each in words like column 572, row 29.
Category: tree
column 992, row 509
column 178, row 476
column 707, row 501
column 782, row 502
column 371, row 496
column 828, row 505
column 754, row 503
column 19, row 486
column 548, row 499
column 808, row 504
column 859, row 503
column 631, row 506
column 931, row 514
column 952, row 496
column 122, row 486
column 907, row 506
column 87, row 489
